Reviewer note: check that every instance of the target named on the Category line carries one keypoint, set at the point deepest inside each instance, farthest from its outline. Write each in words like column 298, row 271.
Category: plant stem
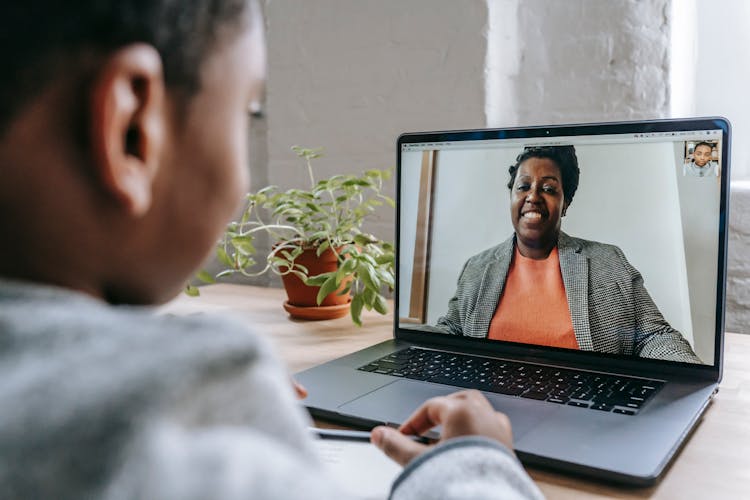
column 310, row 171
column 271, row 226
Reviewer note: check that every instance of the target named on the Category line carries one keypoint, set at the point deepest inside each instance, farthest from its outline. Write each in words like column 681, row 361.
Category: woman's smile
column 537, row 206
column 532, row 215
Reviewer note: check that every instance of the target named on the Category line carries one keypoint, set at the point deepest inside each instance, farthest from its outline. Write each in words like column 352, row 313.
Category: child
column 702, row 164
column 122, row 155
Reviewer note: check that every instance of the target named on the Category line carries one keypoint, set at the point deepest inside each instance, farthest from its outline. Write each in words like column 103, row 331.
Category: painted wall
column 352, row 75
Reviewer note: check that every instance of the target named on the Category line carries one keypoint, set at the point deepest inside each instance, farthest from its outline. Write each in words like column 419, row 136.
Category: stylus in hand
column 350, row 435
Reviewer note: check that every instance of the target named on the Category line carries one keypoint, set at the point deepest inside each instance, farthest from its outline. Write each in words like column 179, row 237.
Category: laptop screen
column 601, row 238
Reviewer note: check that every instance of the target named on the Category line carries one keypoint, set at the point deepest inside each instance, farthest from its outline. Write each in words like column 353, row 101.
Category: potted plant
column 328, row 264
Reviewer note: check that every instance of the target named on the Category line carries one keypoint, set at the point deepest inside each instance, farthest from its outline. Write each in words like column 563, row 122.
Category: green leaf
column 243, row 244
column 327, row 288
column 380, row 304
column 308, row 153
column 370, row 260
column 369, row 298
column 363, row 239
column 298, row 274
column 356, row 309
column 386, row 258
column 279, row 261
column 358, row 182
column 318, row 280
column 266, row 190
column 205, row 276
column 322, row 248
column 318, row 235
column 192, row 291
column 372, row 277
column 245, row 262
column 349, row 250
column 221, row 254
column 367, row 274
column 386, row 277
column 345, row 270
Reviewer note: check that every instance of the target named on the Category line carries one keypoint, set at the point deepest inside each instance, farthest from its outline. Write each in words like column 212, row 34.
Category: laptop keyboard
column 583, row 389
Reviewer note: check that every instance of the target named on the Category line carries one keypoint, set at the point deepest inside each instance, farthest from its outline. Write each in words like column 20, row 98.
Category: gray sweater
column 117, row 402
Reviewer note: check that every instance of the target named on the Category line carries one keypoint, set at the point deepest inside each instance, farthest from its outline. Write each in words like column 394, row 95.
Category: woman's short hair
column 564, row 157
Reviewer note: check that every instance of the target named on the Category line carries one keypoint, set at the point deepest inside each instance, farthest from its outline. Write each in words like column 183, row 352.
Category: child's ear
column 128, row 125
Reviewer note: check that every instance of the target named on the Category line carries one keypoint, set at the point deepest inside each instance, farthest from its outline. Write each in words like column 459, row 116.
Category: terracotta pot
column 302, row 301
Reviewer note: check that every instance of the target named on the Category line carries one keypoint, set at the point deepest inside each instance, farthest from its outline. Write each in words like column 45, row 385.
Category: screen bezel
column 529, row 351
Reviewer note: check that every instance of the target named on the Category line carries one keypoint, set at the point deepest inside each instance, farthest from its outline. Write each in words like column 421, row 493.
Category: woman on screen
column 543, row 287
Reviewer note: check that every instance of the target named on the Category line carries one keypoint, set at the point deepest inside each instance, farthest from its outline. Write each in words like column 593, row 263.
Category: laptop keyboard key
column 540, row 396
column 623, row 411
column 508, row 390
column 624, row 395
column 580, row 404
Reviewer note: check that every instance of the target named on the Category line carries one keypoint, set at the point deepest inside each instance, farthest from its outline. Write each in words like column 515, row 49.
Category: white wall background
column 711, row 43
column 351, row 75
column 626, row 197
column 577, row 60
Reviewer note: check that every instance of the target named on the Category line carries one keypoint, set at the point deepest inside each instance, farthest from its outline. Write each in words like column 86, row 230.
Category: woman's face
column 537, row 205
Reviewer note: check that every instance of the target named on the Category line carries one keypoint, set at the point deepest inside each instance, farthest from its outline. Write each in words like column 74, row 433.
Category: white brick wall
column 578, row 60
column 738, row 272
column 350, row 75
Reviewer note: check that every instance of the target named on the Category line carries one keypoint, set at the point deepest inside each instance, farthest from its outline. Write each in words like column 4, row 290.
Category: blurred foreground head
column 123, row 129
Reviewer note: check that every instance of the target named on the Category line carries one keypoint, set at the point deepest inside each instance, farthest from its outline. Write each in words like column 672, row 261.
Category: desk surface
column 715, row 462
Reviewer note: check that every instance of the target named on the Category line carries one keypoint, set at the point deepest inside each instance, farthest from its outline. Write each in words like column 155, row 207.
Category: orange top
column 533, row 308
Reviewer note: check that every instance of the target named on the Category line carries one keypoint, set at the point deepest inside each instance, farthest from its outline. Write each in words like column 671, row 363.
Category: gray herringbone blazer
column 611, row 310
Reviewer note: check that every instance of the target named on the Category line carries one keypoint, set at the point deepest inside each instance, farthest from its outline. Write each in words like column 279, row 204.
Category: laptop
column 609, row 386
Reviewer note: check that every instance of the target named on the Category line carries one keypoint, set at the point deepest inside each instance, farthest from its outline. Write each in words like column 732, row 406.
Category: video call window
column 628, row 237
column 702, row 158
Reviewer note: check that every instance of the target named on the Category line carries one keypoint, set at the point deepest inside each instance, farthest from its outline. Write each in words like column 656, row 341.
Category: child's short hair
column 42, row 39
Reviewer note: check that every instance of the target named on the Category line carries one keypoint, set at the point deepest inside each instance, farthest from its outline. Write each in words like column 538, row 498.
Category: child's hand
column 299, row 390
column 464, row 413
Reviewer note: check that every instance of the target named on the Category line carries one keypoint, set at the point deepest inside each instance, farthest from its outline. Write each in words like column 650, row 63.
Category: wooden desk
column 715, row 462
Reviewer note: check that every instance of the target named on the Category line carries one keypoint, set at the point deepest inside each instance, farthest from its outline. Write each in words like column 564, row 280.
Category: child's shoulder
column 58, row 338
column 31, row 312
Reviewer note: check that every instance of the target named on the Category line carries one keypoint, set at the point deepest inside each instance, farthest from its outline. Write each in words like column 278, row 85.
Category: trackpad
column 395, row 402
